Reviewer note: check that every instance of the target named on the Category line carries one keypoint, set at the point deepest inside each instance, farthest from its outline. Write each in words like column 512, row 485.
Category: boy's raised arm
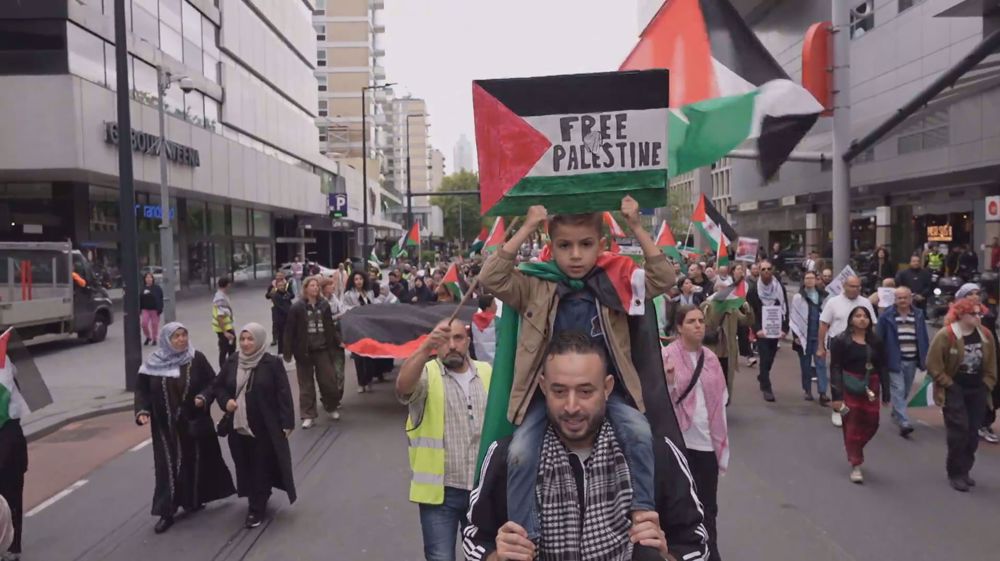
column 500, row 277
column 659, row 272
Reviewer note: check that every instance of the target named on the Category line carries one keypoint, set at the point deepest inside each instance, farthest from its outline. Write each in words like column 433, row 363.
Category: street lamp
column 164, row 80
column 409, row 197
column 364, row 164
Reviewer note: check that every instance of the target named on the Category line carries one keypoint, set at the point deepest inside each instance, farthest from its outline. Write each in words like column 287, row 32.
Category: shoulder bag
column 855, row 384
column 694, row 378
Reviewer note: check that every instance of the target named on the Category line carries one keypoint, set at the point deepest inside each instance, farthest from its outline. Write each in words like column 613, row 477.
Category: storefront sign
column 941, row 233
column 149, row 144
column 153, row 211
column 993, row 208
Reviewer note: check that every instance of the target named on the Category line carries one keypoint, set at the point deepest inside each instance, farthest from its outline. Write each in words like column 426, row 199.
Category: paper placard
column 886, row 296
column 771, row 321
column 746, row 249
column 836, row 286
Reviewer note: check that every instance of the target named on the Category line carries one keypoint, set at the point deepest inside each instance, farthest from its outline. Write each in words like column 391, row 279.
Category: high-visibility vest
column 221, row 324
column 935, row 261
column 427, row 439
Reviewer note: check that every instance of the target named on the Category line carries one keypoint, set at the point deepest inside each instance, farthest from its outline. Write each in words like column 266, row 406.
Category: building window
column 866, row 156
column 322, row 108
column 907, row 4
column 322, row 82
column 925, row 133
column 103, row 209
column 241, row 225
column 862, row 19
column 86, row 54
column 320, row 7
column 212, row 115
column 144, row 82
column 321, row 57
column 194, row 108
column 261, row 224
column 263, row 261
column 195, row 218
column 145, row 21
column 216, row 219
column 320, row 31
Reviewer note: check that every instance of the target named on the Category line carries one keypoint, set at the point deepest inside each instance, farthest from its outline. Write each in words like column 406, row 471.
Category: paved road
column 786, row 496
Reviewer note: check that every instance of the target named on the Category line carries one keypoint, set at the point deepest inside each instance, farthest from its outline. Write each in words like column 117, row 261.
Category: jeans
column 812, row 364
column 440, row 524
column 899, row 390
column 633, row 434
column 767, row 348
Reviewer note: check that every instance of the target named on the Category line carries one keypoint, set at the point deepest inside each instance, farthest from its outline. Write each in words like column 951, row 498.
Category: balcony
column 378, row 52
column 379, row 72
column 378, row 28
column 376, row 4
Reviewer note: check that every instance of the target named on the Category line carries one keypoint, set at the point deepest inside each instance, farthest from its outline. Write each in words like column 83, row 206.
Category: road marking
column 141, row 445
column 56, row 498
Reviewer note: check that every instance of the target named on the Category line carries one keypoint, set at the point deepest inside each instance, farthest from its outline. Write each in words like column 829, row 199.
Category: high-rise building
column 463, row 157
column 437, row 169
column 412, row 146
column 245, row 170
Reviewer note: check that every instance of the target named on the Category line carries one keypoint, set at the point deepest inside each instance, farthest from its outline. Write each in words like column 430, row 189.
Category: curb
column 46, row 430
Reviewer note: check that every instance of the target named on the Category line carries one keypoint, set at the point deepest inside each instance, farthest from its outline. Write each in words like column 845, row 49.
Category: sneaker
column 836, row 419
column 905, row 431
column 307, row 423
column 808, row 396
column 368, row 388
column 959, row 484
column 856, row 475
column 969, row 481
column 335, row 415
column 987, row 434
column 253, row 521
column 10, row 556
column 274, row 343
column 146, row 342
column 361, row 389
column 768, row 395
column 752, row 361
column 823, row 400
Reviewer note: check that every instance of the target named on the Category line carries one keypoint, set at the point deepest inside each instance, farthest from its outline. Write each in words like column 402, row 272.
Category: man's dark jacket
column 917, row 280
column 755, row 302
column 680, row 511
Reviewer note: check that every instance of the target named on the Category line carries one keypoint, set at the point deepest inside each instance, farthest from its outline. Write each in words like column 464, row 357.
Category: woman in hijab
column 421, row 294
column 359, row 293
column 253, row 388
column 857, row 377
column 173, row 396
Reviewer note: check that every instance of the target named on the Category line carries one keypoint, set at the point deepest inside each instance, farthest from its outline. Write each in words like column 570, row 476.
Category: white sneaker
column 361, row 389
column 857, row 476
column 307, row 423
column 335, row 415
column 836, row 419
column 368, row 388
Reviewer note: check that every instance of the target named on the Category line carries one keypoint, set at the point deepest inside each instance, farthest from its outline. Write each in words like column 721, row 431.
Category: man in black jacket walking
column 769, row 293
column 582, row 463
column 281, row 297
column 918, row 280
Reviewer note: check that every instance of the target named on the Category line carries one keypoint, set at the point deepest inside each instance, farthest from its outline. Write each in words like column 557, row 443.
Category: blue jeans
column 440, row 524
column 899, row 390
column 811, row 364
column 633, row 434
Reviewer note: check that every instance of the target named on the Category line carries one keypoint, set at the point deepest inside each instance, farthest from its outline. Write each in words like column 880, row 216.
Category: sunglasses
column 765, row 268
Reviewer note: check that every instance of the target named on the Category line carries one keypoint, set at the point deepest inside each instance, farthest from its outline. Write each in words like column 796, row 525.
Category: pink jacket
column 713, row 383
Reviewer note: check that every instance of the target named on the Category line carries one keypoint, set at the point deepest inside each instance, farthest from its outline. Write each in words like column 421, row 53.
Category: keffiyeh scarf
column 772, row 294
column 602, row 534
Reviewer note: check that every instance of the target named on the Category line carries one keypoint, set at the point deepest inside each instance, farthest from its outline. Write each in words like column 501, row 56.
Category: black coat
column 296, row 330
column 882, row 271
column 151, row 298
column 269, row 404
column 281, row 303
column 838, row 348
column 754, row 300
column 187, row 459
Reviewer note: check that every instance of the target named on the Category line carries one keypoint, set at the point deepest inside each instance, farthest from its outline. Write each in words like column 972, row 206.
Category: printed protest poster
column 574, row 143
column 746, row 249
column 886, row 296
column 771, row 321
column 836, row 286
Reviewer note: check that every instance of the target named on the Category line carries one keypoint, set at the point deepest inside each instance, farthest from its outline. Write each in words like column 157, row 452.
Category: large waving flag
column 407, row 240
column 395, row 330
column 725, row 87
column 711, row 223
column 666, row 242
column 575, row 143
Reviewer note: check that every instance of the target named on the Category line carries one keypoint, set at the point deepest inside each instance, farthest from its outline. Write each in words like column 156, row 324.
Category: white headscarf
column 165, row 360
column 245, row 366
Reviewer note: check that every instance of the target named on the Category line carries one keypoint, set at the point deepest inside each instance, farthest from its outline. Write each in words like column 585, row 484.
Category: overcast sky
column 436, row 48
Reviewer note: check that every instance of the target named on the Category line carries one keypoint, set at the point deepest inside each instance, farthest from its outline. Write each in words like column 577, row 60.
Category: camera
column 186, row 84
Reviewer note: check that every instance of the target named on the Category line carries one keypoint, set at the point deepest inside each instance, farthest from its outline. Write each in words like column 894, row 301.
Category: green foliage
column 454, row 205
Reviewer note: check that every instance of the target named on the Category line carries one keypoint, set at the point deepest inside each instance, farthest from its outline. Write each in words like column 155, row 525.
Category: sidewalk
column 87, row 380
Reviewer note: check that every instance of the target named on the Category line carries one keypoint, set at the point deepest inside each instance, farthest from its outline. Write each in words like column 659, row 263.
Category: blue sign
column 338, row 205
column 153, row 211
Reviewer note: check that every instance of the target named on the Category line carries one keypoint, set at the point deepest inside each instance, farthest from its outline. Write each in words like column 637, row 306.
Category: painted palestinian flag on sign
column 711, row 223
column 496, row 236
column 666, row 242
column 407, row 240
column 450, row 281
column 574, row 143
column 725, row 87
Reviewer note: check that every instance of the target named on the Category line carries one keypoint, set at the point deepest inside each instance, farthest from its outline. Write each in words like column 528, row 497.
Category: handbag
column 694, row 378
column 225, row 425
column 854, row 384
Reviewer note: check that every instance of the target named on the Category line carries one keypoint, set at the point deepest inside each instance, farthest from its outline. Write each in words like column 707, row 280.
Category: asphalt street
column 786, row 495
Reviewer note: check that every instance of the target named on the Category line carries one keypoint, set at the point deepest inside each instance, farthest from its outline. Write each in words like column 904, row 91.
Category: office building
column 463, row 156
column 436, row 169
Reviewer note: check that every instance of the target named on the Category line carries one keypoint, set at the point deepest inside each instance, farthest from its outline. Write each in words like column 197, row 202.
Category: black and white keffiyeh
column 602, row 535
column 772, row 294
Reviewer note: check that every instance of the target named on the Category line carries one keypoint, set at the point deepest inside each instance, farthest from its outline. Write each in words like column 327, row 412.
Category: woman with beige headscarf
column 253, row 387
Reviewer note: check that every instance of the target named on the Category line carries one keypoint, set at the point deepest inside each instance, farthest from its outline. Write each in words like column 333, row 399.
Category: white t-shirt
column 698, row 436
column 836, row 311
column 463, row 379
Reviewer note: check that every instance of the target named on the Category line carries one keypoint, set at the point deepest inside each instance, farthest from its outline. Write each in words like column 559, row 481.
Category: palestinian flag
column 575, row 143
column 373, row 259
column 450, row 281
column 725, row 87
column 496, row 237
column 711, row 223
column 394, row 330
column 731, row 298
column 665, row 241
column 925, row 395
column 722, row 260
column 613, row 227
column 22, row 389
column 477, row 246
column 407, row 240
column 618, row 283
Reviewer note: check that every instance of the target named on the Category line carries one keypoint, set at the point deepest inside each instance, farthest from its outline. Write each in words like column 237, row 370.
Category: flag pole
column 475, row 283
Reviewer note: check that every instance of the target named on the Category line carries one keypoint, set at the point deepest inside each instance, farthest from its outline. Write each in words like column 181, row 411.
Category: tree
column 458, row 209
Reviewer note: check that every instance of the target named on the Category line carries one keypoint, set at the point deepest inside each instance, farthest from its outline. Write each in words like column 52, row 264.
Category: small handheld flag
column 666, row 242
column 450, row 281
column 496, row 237
column 711, row 223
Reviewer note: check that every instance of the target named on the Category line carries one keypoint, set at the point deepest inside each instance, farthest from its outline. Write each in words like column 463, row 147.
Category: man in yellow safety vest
column 222, row 321
column 446, row 394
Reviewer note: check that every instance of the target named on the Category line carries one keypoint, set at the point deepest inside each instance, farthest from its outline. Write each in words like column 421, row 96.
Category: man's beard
column 593, row 425
column 453, row 360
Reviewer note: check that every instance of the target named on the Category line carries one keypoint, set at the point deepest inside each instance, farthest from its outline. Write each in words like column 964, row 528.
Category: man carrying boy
column 564, row 295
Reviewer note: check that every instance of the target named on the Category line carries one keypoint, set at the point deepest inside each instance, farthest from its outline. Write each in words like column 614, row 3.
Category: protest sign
column 836, row 286
column 886, row 296
column 771, row 321
column 574, row 143
column 746, row 249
